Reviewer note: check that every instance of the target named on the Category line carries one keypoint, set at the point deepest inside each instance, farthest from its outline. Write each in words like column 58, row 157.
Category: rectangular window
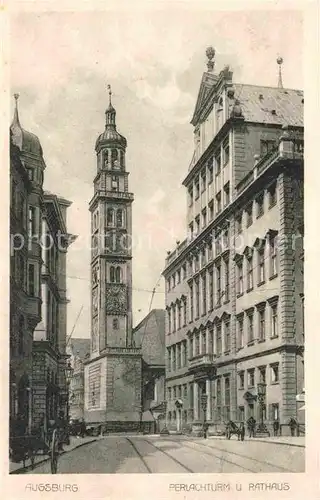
column 226, row 280
column 210, row 343
column 226, row 191
column 262, row 374
column 197, row 297
column 178, row 356
column 204, row 343
column 262, row 323
column 219, row 339
column 240, row 332
column 273, row 257
column 196, row 263
column 174, row 359
column 184, row 271
column 249, row 215
column 227, row 336
column 169, row 393
column 240, row 277
column 272, row 194
column 31, row 280
column 174, row 392
column 184, row 312
column 218, row 202
column 218, row 275
column 197, row 345
column 169, row 358
column 249, row 274
column 209, row 251
column 241, row 380
column 239, row 224
column 274, row 320
column 250, row 327
column 204, row 294
column 210, row 173
column 191, row 302
column 203, row 182
column 32, row 223
column 251, row 378
column 274, row 373
column 203, row 257
column 211, row 289
column 191, row 230
column 197, row 220
column 197, row 190
column 226, row 152
column 218, row 163
column 204, row 218
column 260, row 205
column 261, row 266
column 190, row 196
column 185, row 353
column 211, row 211
column 179, row 315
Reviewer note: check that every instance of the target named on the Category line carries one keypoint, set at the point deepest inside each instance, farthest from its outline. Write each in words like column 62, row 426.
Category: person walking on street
column 293, row 426
column 276, row 426
column 251, row 426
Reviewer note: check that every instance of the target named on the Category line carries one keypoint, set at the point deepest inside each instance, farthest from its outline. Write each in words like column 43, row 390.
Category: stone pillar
column 195, row 401
column 208, row 392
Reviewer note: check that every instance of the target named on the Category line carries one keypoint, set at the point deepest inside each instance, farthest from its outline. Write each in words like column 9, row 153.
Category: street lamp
column 204, row 404
column 261, row 392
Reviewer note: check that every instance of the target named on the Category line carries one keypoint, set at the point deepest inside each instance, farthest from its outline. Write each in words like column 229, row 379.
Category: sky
column 61, row 64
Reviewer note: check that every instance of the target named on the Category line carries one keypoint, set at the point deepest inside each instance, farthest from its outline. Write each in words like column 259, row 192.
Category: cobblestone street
column 177, row 454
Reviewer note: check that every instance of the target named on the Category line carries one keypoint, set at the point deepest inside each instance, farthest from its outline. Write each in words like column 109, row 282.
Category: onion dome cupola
column 24, row 140
column 110, row 139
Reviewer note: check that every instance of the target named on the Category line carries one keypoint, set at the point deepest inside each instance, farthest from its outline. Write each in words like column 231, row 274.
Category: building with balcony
column 150, row 337
column 234, row 286
column 78, row 349
column 50, row 391
column 26, row 204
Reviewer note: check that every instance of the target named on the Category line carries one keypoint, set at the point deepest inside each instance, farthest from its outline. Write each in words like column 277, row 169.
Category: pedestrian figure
column 276, row 426
column 205, row 430
column 251, row 426
column 82, row 428
column 293, row 426
column 242, row 432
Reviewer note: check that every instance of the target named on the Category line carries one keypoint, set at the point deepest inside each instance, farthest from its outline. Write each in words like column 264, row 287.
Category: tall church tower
column 113, row 373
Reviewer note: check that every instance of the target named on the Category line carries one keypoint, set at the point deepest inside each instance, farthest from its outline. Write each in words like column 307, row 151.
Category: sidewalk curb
column 22, row 470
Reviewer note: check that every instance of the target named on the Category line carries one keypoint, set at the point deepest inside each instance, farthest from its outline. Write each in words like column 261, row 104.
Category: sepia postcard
column 159, row 250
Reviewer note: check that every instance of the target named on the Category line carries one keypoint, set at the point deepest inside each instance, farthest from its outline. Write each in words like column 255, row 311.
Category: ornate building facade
column 50, row 394
column 78, row 349
column 26, row 205
column 234, row 286
column 113, row 373
column 39, row 242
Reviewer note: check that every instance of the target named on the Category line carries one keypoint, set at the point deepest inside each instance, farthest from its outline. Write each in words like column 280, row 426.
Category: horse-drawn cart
column 29, row 446
column 233, row 429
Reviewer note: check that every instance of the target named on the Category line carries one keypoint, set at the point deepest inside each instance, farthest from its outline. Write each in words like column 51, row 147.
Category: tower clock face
column 116, row 296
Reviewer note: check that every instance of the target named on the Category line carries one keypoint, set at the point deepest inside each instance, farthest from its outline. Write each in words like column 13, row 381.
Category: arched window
column 122, row 158
column 110, row 217
column 106, row 158
column 115, row 324
column 112, row 274
column 119, row 217
column 118, row 275
column 114, row 156
column 20, row 335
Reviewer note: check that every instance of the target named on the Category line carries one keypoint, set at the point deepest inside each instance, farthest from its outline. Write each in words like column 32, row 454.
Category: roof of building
column 79, row 347
column 271, row 105
column 149, row 335
column 24, row 140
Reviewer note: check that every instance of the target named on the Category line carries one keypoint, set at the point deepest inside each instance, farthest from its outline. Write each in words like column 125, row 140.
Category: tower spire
column 15, row 121
column 279, row 62
column 110, row 112
column 110, row 94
